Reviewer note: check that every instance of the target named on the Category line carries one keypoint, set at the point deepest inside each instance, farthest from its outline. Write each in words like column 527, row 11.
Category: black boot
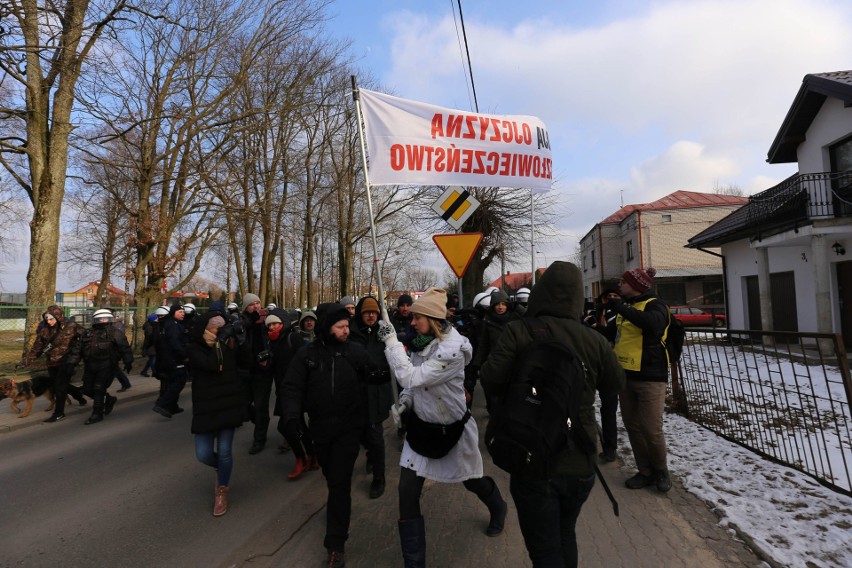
column 497, row 507
column 109, row 403
column 412, row 538
column 94, row 418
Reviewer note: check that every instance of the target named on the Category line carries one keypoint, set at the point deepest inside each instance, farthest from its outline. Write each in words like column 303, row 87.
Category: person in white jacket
column 442, row 443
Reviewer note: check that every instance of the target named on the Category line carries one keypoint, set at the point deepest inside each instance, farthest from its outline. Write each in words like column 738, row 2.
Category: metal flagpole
column 378, row 267
column 532, row 234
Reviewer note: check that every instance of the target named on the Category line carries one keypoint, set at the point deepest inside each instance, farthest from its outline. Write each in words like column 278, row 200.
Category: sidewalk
column 672, row 530
column 9, row 421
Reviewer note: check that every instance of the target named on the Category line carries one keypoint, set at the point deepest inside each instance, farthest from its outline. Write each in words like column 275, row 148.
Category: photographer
column 254, row 368
column 379, row 391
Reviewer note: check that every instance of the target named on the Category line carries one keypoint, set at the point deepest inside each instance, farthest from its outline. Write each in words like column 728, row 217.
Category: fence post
column 843, row 365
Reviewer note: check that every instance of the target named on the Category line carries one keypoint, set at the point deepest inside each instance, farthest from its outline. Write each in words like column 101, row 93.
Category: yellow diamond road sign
column 458, row 249
column 455, row 205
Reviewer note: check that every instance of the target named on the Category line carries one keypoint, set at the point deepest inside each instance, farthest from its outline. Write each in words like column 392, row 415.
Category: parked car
column 690, row 316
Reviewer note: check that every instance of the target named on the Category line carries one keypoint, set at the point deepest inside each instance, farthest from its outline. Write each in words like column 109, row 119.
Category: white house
column 788, row 252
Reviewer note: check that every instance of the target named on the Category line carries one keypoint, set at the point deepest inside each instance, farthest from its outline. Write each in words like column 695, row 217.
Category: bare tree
column 43, row 53
column 727, row 189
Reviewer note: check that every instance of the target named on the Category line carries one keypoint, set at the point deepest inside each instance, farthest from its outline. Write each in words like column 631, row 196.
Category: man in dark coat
column 254, row 367
column 326, row 379
column 171, row 362
column 379, row 391
column 548, row 509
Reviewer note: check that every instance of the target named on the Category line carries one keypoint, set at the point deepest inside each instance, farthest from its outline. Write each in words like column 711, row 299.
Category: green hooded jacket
column 557, row 300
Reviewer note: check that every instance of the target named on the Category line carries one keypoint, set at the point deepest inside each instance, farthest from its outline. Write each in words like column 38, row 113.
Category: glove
column 398, row 412
column 128, row 367
column 386, row 333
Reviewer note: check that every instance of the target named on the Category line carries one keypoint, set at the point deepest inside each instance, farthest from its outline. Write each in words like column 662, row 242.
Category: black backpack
column 539, row 414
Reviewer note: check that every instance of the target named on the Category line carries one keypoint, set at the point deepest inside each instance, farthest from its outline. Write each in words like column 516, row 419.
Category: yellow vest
column 628, row 340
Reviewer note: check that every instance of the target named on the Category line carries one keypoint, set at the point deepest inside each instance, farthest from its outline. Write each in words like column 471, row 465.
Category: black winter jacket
column 328, row 382
column 217, row 397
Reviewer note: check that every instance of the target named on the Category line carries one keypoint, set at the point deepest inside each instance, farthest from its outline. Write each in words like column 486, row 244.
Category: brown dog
column 27, row 391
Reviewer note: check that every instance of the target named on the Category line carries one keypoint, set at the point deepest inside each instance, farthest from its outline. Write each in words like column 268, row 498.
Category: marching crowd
column 341, row 371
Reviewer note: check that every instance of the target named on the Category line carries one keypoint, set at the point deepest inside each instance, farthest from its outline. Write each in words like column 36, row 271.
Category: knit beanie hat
column 308, row 315
column 250, row 299
column 433, row 303
column 272, row 318
column 215, row 322
column 405, row 299
column 640, row 280
column 369, row 304
column 347, row 301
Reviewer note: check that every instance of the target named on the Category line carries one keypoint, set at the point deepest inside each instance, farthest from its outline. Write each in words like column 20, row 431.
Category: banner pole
column 532, row 234
column 376, row 264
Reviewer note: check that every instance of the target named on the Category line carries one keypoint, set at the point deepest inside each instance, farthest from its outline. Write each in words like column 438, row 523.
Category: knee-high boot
column 412, row 538
column 496, row 507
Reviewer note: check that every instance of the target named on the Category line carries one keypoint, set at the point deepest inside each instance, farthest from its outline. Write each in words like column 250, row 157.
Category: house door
column 783, row 287
column 844, row 293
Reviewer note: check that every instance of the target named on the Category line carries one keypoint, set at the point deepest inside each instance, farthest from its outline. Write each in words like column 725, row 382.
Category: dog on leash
column 27, row 391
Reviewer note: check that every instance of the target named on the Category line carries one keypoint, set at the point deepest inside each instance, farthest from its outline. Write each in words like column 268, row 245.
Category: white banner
column 414, row 143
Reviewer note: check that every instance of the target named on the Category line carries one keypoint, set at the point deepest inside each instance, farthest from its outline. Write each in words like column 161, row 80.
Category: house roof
column 677, row 200
column 95, row 284
column 815, row 89
column 517, row 279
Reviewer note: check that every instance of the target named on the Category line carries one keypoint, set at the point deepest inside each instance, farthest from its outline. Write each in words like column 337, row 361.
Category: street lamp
column 541, row 252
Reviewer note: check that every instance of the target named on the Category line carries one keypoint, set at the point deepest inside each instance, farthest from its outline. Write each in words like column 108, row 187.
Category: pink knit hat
column 640, row 280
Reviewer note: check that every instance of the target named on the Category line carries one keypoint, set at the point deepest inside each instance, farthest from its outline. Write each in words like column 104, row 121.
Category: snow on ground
column 787, row 515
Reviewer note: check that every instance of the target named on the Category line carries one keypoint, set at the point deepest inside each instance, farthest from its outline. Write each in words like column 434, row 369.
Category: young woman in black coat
column 218, row 404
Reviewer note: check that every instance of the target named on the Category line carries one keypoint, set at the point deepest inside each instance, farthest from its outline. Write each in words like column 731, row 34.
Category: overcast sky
column 640, row 98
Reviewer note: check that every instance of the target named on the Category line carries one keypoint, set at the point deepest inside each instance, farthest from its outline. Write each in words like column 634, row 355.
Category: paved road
column 128, row 492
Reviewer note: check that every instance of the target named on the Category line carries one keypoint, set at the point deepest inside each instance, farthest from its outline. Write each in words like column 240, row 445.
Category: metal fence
column 783, row 395
column 13, row 322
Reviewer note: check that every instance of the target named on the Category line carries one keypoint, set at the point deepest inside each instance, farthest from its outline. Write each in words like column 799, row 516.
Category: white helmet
column 482, row 300
column 189, row 308
column 271, row 306
column 161, row 311
column 103, row 316
column 233, row 307
column 522, row 295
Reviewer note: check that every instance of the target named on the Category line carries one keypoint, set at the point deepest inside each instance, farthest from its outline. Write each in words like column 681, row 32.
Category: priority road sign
column 458, row 249
column 455, row 205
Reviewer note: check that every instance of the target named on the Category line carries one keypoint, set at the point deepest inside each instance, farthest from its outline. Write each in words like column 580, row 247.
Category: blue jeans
column 547, row 515
column 221, row 458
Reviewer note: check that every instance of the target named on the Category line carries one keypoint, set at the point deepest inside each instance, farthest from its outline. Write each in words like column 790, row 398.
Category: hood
column 57, row 313
column 307, row 314
column 197, row 331
column 329, row 314
column 498, row 296
column 559, row 292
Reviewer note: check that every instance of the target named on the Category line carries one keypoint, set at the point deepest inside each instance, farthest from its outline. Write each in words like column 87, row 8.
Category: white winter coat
column 433, row 382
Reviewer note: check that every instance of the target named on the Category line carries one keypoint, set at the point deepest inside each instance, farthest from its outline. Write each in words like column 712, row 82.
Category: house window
column 90, row 291
column 712, row 293
column 841, row 156
column 629, row 250
column 667, row 218
column 584, row 264
column 674, row 293
column 594, row 264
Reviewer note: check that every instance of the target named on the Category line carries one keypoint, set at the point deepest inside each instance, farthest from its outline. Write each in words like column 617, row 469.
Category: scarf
column 273, row 335
column 420, row 342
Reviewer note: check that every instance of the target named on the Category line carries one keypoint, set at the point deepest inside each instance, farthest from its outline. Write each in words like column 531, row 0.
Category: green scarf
column 420, row 342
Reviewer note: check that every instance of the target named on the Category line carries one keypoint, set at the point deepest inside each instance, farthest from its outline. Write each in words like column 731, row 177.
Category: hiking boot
column 109, row 403
column 55, row 418
column 161, row 411
column 639, row 481
column 335, row 559
column 608, row 455
column 377, row 488
column 662, row 480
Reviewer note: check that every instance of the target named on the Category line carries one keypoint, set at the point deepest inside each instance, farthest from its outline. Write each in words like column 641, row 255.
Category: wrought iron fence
column 783, row 395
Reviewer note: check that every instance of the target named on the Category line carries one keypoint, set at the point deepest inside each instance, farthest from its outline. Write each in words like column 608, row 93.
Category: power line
column 467, row 54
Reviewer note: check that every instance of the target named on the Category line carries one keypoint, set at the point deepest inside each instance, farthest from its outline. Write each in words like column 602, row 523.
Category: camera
column 264, row 355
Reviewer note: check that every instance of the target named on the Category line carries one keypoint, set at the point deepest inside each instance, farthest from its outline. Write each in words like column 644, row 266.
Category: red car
column 690, row 316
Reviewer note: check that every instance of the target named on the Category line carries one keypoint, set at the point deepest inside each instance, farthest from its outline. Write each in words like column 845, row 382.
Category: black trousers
column 60, row 378
column 373, row 439
column 337, row 457
column 609, row 430
column 96, row 380
column 260, row 385
column 171, row 385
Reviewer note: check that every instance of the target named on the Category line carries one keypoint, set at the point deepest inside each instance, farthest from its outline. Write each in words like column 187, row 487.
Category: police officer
column 103, row 347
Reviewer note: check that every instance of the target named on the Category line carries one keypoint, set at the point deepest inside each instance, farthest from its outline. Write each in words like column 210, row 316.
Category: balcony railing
column 803, row 197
